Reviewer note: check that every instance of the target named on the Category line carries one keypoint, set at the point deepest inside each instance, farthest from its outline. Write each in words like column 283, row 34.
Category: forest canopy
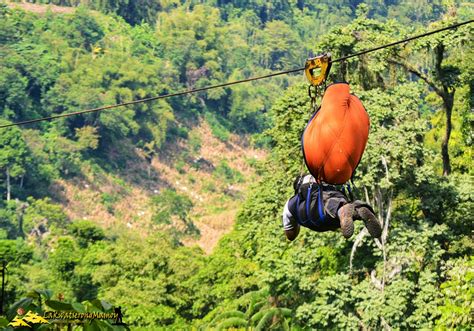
column 416, row 171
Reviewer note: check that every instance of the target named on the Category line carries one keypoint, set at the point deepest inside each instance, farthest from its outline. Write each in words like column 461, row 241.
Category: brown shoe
column 370, row 220
column 345, row 217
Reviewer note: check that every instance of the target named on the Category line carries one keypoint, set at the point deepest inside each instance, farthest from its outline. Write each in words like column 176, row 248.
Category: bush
column 108, row 200
column 170, row 203
column 178, row 132
column 86, row 232
column 224, row 172
column 218, row 130
column 179, row 165
column 195, row 142
column 43, row 212
column 209, row 187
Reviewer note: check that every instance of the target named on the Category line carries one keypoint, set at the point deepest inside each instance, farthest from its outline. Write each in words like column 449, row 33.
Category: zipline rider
column 333, row 143
column 337, row 211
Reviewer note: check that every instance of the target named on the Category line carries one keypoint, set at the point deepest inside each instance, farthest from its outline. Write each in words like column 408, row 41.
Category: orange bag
column 335, row 137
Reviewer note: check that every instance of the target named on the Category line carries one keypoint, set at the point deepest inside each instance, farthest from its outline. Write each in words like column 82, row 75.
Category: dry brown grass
column 212, row 228
column 40, row 8
column 213, row 212
column 81, row 202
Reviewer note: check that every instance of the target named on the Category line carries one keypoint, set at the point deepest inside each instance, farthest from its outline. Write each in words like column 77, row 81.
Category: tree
column 134, row 12
column 147, row 277
column 458, row 291
column 64, row 258
column 277, row 46
column 57, row 63
column 42, row 216
column 170, row 203
column 86, row 232
column 14, row 156
column 255, row 311
column 443, row 76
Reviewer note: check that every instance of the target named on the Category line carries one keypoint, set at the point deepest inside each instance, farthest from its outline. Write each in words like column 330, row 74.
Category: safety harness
column 305, row 192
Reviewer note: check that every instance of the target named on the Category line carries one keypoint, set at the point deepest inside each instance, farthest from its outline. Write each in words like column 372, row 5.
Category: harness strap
column 322, row 215
column 308, row 204
column 351, row 196
column 309, row 219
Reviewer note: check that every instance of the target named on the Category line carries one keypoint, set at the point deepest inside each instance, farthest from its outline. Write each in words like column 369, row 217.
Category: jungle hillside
column 171, row 209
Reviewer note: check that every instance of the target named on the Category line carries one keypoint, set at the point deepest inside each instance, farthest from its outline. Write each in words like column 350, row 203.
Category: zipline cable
column 169, row 95
column 151, row 98
column 454, row 26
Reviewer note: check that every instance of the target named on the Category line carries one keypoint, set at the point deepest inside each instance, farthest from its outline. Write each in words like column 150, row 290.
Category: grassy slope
column 123, row 200
column 39, row 8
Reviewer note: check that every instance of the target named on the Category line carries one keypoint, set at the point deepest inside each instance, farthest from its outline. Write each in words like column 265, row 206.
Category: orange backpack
column 335, row 137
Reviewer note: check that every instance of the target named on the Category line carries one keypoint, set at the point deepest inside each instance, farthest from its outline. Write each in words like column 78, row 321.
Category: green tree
column 456, row 308
column 64, row 258
column 86, row 232
column 443, row 76
column 146, row 281
column 14, row 156
column 43, row 216
column 170, row 203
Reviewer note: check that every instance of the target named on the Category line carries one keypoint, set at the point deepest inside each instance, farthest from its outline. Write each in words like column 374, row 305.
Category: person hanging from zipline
column 325, row 208
column 332, row 143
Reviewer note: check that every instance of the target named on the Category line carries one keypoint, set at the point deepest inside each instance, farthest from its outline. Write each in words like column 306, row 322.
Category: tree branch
column 412, row 69
column 377, row 283
column 367, row 199
column 385, row 325
column 357, row 243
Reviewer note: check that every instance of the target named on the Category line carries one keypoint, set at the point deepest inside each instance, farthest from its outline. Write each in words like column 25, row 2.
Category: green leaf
column 36, row 294
column 101, row 304
column 228, row 314
column 23, row 303
column 58, row 305
column 286, row 312
column 105, row 305
column 78, row 307
column 233, row 322
column 265, row 320
column 3, row 321
column 258, row 316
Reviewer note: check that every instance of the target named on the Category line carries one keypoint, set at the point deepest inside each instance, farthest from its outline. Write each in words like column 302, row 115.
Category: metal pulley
column 323, row 62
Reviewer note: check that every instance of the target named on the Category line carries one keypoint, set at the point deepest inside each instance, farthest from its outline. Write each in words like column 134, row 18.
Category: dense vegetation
column 416, row 171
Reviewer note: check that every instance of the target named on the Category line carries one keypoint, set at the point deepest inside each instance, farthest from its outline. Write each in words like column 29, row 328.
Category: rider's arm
column 290, row 225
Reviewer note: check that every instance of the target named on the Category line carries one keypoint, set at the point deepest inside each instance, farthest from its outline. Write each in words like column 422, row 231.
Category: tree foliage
column 419, row 276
